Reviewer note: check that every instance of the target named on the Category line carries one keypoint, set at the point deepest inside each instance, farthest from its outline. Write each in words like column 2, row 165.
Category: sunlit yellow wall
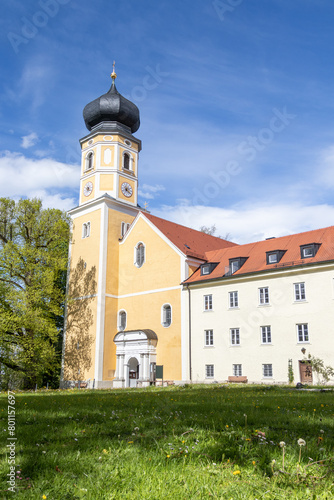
column 162, row 264
column 106, row 182
column 87, row 249
column 109, row 361
column 145, row 311
column 161, row 270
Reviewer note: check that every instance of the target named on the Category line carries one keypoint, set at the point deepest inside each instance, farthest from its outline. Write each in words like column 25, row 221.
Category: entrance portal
column 136, row 355
column 133, row 372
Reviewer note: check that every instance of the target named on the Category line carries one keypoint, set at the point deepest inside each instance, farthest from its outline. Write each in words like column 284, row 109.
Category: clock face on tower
column 126, row 189
column 88, row 188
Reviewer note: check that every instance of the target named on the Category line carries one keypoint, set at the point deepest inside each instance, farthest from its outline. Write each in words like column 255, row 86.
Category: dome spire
column 113, row 74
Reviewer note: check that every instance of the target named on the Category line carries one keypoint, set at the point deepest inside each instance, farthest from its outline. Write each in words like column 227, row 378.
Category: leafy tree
column 212, row 231
column 33, row 262
column 324, row 373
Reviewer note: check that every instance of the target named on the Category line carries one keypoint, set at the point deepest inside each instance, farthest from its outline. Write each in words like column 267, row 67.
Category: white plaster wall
column 283, row 314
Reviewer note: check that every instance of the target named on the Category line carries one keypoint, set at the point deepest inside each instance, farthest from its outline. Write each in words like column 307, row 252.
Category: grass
column 192, row 442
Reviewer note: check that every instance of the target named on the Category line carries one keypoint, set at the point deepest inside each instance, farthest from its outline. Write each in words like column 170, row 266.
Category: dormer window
column 235, row 265
column 208, row 268
column 273, row 257
column 126, row 161
column 89, row 161
column 308, row 251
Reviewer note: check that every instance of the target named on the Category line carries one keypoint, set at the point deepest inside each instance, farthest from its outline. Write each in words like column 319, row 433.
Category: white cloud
column 252, row 222
column 29, row 140
column 149, row 192
column 27, row 177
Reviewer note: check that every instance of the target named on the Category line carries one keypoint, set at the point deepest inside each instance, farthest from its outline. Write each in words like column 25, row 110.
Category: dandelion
column 254, row 463
column 104, row 451
column 167, row 456
column 282, row 445
column 236, row 472
column 301, row 443
column 130, row 442
column 226, row 426
column 44, row 497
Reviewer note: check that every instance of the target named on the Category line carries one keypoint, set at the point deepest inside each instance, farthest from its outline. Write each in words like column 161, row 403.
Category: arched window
column 139, row 254
column 86, row 230
column 121, row 320
column 166, row 319
column 89, row 160
column 126, row 161
column 124, row 228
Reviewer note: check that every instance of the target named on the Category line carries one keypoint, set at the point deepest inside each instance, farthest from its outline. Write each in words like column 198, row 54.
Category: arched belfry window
column 126, row 161
column 140, row 254
column 121, row 320
column 166, row 315
column 89, row 160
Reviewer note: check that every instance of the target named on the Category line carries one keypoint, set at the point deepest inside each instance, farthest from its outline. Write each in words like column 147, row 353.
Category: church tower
column 107, row 206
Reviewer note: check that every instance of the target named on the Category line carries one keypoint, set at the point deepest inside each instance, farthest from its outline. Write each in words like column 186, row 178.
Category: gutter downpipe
column 189, row 319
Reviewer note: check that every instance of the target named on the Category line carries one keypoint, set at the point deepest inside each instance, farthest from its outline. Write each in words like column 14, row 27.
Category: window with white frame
column 124, row 228
column 89, row 161
column 237, row 370
column 302, row 332
column 86, row 230
column 166, row 315
column 235, row 336
column 208, row 338
column 139, row 254
column 121, row 320
column 267, row 370
column 264, row 295
column 233, row 299
column 207, row 302
column 209, row 371
column 266, row 334
column 299, row 291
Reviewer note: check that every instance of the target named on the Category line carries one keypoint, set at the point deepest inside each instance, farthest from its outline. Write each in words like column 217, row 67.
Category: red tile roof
column 256, row 254
column 191, row 242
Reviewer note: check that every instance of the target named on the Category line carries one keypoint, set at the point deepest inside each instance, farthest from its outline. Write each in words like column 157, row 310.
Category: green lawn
column 173, row 443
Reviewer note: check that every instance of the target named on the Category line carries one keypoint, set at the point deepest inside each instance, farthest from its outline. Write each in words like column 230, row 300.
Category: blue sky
column 236, row 101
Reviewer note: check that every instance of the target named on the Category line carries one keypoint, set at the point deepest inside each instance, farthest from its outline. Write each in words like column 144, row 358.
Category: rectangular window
column 267, row 370
column 308, row 252
column 233, row 299
column 209, row 371
column 235, row 336
column 264, row 295
column 205, row 269
column 207, row 302
column 86, row 230
column 266, row 334
column 299, row 291
column 272, row 258
column 302, row 331
column 237, row 370
column 235, row 265
column 208, row 338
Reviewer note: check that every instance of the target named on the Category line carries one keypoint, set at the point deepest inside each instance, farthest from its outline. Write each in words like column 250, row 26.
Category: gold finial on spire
column 145, row 206
column 113, row 74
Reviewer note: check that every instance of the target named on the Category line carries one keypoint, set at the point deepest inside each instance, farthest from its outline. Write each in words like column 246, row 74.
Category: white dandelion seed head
column 301, row 442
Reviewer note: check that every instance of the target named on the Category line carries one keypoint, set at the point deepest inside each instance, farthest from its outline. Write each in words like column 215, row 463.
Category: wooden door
column 305, row 370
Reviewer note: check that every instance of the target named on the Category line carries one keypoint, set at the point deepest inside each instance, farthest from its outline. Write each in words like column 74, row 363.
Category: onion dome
column 112, row 111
